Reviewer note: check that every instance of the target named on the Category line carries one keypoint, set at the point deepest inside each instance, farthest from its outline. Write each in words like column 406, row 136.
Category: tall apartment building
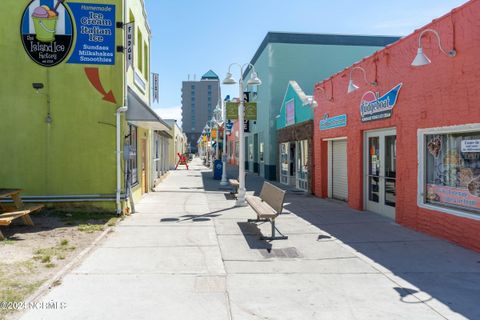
column 199, row 99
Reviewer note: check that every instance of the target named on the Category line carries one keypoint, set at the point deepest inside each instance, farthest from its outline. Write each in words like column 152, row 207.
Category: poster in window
column 453, row 170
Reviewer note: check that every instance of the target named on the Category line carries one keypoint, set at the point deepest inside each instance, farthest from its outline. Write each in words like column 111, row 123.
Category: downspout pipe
column 119, row 159
column 118, row 113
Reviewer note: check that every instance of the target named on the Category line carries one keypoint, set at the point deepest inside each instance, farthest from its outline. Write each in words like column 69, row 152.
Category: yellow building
column 176, row 144
column 87, row 133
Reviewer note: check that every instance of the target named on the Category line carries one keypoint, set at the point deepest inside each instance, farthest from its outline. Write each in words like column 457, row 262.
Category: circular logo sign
column 47, row 31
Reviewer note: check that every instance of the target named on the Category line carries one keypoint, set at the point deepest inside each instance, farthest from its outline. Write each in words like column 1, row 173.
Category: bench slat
column 273, row 195
column 6, row 218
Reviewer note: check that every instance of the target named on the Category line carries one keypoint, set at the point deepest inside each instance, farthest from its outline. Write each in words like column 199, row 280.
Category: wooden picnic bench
column 267, row 207
column 8, row 213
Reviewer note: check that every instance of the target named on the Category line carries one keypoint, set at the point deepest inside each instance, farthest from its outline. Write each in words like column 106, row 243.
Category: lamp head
column 312, row 102
column 351, row 86
column 420, row 59
column 229, row 79
column 254, row 80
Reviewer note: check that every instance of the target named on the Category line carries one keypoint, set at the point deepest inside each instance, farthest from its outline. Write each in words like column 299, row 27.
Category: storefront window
column 132, row 163
column 261, row 152
column 390, row 170
column 453, row 170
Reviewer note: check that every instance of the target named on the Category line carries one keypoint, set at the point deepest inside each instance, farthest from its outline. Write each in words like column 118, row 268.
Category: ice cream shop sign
column 48, row 28
column 47, row 32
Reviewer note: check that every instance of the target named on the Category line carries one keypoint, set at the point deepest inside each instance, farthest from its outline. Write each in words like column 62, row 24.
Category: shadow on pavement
column 423, row 267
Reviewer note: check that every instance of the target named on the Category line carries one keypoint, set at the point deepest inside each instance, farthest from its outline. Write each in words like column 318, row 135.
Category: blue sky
column 193, row 36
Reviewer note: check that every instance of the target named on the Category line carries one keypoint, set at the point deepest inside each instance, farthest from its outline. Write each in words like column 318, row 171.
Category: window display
column 453, row 170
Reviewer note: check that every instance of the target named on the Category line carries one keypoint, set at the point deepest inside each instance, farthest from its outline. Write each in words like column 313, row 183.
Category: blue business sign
column 334, row 122
column 373, row 107
column 229, row 126
column 95, row 33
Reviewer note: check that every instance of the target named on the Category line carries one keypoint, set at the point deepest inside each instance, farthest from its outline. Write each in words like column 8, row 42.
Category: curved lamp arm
column 325, row 93
column 373, row 83
column 451, row 53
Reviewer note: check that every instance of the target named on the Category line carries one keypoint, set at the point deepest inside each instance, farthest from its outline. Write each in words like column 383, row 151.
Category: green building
column 68, row 97
column 305, row 58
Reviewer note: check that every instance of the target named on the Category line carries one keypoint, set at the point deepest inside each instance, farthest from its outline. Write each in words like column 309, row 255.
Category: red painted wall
column 443, row 93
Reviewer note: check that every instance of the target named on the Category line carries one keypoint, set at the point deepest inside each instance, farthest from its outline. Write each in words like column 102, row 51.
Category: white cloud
column 170, row 113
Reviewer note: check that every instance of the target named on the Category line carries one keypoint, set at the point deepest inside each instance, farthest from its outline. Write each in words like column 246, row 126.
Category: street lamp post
column 207, row 149
column 254, row 80
column 224, row 181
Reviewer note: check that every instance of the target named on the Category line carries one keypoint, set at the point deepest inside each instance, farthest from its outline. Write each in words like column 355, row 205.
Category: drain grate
column 288, row 253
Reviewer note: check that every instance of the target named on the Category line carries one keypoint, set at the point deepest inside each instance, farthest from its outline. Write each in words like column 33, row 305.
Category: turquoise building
column 305, row 58
column 295, row 138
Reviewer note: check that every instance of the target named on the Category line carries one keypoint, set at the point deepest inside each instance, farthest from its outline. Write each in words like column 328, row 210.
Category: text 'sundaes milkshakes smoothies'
column 45, row 22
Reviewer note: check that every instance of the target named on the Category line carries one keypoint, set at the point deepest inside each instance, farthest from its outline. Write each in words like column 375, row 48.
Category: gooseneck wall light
column 352, row 86
column 421, row 59
column 325, row 93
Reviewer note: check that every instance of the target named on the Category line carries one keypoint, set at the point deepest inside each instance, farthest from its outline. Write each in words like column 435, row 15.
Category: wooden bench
column 235, row 184
column 8, row 213
column 267, row 207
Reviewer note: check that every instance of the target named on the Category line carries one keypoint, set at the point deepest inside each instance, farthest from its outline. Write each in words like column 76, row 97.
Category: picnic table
column 8, row 213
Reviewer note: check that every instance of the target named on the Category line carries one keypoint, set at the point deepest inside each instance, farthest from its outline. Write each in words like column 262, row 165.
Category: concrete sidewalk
column 189, row 254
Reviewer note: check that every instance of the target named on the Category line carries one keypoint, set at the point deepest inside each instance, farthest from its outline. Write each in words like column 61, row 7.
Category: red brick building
column 409, row 146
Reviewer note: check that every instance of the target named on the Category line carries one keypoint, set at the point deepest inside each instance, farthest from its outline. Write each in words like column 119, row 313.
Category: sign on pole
column 250, row 111
column 155, row 77
column 232, row 110
column 129, row 42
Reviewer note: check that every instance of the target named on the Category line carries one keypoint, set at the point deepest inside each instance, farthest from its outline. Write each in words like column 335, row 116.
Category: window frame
column 421, row 156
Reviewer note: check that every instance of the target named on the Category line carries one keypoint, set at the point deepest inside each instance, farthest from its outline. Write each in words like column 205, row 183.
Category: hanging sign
column 246, row 126
column 129, row 42
column 373, row 107
column 333, row 122
column 47, row 32
column 95, row 42
column 155, row 79
column 232, row 110
column 250, row 111
column 229, row 127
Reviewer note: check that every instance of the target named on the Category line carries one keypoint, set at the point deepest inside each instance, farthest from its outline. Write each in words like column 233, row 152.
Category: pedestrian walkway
column 188, row 253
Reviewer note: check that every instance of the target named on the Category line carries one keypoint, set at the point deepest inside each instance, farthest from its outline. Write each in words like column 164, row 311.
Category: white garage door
column 339, row 170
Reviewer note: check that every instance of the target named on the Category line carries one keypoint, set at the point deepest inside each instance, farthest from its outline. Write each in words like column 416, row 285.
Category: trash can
column 217, row 169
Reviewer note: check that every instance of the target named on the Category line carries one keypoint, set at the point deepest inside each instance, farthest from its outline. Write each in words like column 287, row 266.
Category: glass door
column 380, row 172
column 284, row 156
column 302, row 165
